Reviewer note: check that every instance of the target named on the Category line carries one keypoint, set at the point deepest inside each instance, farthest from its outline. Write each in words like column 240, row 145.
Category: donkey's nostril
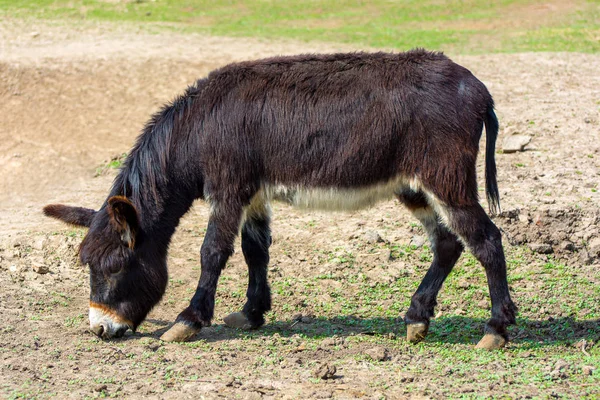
column 98, row 330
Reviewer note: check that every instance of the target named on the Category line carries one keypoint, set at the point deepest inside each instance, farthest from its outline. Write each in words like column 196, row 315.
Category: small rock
column 594, row 247
column 35, row 34
column 12, row 268
column 297, row 318
column 541, row 248
column 510, row 214
column 418, row 241
column 463, row 284
column 325, row 371
column 301, row 347
column 567, row 246
column 515, row 143
column 557, row 374
column 229, row 382
column 41, row 269
column 587, row 370
column 377, row 353
column 328, row 342
column 154, row 346
column 372, row 237
column 405, row 377
column 561, row 365
column 39, row 266
column 100, row 388
column 39, row 243
column 483, row 304
column 524, row 218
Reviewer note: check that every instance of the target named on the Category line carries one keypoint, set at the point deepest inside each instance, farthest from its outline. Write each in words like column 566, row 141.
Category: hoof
column 416, row 332
column 179, row 332
column 491, row 342
column 237, row 320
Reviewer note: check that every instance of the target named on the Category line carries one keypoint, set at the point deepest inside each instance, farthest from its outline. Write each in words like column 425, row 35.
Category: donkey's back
column 344, row 130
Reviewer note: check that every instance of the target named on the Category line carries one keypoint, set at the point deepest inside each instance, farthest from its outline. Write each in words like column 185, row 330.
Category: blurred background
column 457, row 26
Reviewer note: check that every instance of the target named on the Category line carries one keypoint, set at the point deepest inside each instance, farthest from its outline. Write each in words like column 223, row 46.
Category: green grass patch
column 465, row 26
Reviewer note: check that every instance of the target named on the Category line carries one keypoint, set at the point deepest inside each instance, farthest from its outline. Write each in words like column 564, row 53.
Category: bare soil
column 75, row 97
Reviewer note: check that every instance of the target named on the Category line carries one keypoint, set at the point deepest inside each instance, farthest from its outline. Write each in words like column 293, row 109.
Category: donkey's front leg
column 215, row 251
column 256, row 239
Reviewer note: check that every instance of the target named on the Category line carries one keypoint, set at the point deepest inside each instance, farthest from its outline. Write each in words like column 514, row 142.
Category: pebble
column 297, row 317
column 561, row 365
column 567, row 246
column 154, row 346
column 40, row 268
column 325, row 371
column 587, row 370
column 373, row 237
column 594, row 247
column 100, row 388
column 377, row 353
column 463, row 284
column 515, row 143
column 541, row 248
column 39, row 243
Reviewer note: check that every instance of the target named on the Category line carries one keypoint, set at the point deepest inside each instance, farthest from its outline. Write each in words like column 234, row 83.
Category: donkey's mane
column 145, row 170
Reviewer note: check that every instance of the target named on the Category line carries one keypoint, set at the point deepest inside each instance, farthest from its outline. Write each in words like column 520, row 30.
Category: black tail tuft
column 491, row 184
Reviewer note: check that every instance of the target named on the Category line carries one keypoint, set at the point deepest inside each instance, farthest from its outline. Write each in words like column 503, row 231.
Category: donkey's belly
column 333, row 198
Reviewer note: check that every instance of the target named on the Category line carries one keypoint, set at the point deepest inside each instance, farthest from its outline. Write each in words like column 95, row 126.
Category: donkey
column 339, row 131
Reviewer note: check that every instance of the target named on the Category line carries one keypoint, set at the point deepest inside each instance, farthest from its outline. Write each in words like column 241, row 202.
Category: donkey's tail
column 491, row 184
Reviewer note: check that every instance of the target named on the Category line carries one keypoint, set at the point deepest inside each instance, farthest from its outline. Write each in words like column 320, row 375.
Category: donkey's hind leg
column 446, row 250
column 484, row 240
column 256, row 239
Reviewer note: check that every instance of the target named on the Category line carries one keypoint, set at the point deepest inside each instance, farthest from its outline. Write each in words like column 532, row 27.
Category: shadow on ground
column 450, row 330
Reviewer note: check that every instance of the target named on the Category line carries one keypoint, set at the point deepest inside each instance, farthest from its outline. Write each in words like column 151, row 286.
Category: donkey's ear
column 124, row 218
column 78, row 216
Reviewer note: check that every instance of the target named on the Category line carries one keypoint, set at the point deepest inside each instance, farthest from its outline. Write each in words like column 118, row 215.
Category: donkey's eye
column 115, row 268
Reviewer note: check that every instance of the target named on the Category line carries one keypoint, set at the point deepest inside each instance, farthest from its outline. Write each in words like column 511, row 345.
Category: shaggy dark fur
column 345, row 121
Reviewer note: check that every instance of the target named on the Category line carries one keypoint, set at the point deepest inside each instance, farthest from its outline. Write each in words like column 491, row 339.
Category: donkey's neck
column 161, row 175
column 160, row 213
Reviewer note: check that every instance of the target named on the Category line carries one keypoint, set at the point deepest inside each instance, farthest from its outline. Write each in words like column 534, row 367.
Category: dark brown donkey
column 337, row 131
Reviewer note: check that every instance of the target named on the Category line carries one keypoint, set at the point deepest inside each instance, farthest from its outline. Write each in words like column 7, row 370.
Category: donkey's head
column 127, row 277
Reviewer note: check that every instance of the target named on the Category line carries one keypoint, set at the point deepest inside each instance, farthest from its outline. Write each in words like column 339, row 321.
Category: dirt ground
column 75, row 97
